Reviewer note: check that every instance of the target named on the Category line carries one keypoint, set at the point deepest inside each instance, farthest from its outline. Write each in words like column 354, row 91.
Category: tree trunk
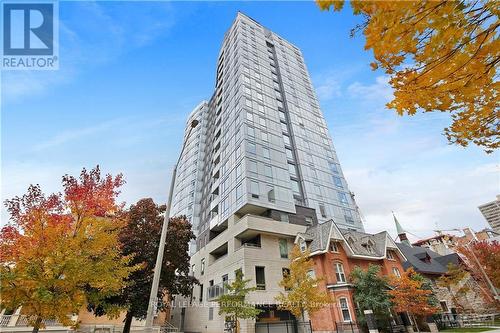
column 128, row 322
column 36, row 326
column 237, row 325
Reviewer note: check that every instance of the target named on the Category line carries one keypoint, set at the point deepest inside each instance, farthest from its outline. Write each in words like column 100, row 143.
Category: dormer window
column 390, row 255
column 334, row 246
column 302, row 245
column 368, row 246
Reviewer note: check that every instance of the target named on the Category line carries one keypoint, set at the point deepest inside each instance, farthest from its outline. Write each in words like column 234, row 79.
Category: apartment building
column 266, row 169
column 491, row 213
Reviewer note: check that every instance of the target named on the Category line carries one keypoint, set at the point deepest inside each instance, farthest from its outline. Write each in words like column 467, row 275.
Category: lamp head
column 194, row 123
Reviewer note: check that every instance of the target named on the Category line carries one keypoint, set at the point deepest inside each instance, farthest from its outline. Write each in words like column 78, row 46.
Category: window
column 311, row 274
column 309, row 220
column 239, row 192
column 210, row 313
column 284, row 217
column 251, row 148
column 334, row 168
column 339, row 273
column 302, row 245
column 289, row 154
column 283, row 248
column 201, row 293
column 348, row 216
column 322, row 210
column 260, row 278
column 252, row 166
column 287, row 140
column 337, row 181
column 250, row 116
column 254, row 189
column 292, row 170
column 268, row 171
column 193, row 268
column 251, row 132
column 295, row 186
column 265, row 153
column 342, row 197
column 264, row 136
column 396, row 272
column 344, row 306
column 334, row 246
column 238, row 171
column 390, row 255
column 285, row 272
column 262, row 122
column 444, row 306
column 202, row 271
column 271, row 197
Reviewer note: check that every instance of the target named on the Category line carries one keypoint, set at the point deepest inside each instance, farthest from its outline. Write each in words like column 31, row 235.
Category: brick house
column 336, row 251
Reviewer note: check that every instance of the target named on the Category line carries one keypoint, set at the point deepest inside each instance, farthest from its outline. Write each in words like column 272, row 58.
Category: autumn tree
column 57, row 248
column 454, row 281
column 370, row 292
column 483, row 259
column 440, row 56
column 302, row 293
column 233, row 304
column 140, row 239
column 409, row 295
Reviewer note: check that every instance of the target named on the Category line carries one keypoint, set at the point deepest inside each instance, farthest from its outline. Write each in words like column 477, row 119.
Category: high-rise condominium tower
column 260, row 168
column 491, row 212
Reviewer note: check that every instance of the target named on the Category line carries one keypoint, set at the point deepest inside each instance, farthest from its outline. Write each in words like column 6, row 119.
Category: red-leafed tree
column 60, row 251
column 479, row 257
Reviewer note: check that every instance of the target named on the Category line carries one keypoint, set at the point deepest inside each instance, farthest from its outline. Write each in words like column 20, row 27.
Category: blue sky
column 130, row 72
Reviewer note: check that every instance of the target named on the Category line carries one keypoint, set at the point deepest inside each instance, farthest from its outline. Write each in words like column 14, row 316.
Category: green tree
column 57, row 248
column 440, row 56
column 302, row 293
column 370, row 292
column 140, row 238
column 233, row 303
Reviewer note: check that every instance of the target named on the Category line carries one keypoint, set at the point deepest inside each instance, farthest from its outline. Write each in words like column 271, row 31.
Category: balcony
column 218, row 290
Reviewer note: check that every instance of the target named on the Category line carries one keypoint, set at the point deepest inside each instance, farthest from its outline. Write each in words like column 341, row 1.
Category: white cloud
column 424, row 199
column 378, row 91
column 328, row 88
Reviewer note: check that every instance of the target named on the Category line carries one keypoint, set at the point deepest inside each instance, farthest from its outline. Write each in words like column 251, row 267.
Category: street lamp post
column 161, row 248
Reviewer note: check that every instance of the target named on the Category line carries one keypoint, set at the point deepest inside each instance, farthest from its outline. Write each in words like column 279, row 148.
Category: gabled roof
column 356, row 243
column 427, row 261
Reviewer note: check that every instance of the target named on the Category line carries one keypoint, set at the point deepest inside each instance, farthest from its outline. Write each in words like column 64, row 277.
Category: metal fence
column 348, row 327
column 284, row 326
column 451, row 320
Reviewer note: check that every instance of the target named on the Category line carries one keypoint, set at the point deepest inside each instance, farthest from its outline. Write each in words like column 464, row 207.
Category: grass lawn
column 468, row 329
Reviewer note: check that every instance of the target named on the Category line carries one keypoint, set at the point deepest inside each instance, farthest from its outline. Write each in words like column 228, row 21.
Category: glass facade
column 263, row 141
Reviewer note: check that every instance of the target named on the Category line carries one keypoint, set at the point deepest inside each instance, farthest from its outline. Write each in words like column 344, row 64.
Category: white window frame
column 396, row 272
column 390, row 255
column 340, row 273
column 342, row 309
column 302, row 245
column 334, row 246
